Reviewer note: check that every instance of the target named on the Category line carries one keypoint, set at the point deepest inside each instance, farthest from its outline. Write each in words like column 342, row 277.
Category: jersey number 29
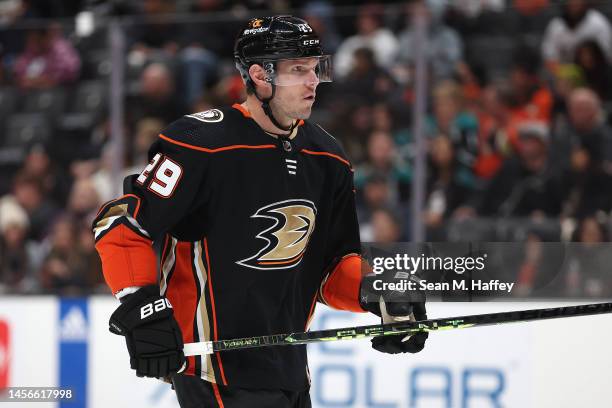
column 166, row 176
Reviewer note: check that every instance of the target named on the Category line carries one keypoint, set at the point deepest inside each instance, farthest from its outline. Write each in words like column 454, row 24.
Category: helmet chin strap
column 265, row 104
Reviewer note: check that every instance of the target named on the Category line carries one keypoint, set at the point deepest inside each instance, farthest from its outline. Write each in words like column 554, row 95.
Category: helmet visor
column 299, row 71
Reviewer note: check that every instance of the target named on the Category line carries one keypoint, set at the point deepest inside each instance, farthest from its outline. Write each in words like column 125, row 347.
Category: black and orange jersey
column 252, row 228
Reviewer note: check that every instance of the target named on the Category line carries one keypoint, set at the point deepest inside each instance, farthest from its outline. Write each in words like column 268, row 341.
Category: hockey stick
column 348, row 333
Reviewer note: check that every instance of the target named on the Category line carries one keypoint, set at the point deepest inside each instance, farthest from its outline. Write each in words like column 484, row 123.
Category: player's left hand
column 394, row 306
column 152, row 335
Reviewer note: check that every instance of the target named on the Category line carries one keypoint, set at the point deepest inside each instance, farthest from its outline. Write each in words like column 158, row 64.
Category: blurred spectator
column 29, row 193
column 366, row 81
column 444, row 46
column 48, row 60
column 449, row 184
column 90, row 260
column 320, row 16
column 155, row 33
column 157, row 96
column 530, row 7
column 370, row 34
column 566, row 78
column 471, row 9
column 383, row 159
column 471, row 17
column 39, row 165
column 531, row 100
column 102, row 178
column 64, row 268
column 450, row 119
column 146, row 132
column 198, row 61
column 526, row 185
column 583, row 150
column 472, row 80
column 587, row 273
column 530, row 266
column 578, row 22
column 596, row 70
column 497, row 131
column 83, row 201
column 386, row 226
column 353, row 124
column 395, row 120
column 506, row 106
column 15, row 262
column 374, row 194
column 198, row 68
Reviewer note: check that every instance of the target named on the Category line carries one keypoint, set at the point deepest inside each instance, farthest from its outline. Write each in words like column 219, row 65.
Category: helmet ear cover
column 246, row 77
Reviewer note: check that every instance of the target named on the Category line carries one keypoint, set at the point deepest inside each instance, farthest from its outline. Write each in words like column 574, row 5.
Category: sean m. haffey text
column 405, row 268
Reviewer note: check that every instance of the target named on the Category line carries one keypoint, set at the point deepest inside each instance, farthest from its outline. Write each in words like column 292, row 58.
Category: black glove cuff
column 139, row 308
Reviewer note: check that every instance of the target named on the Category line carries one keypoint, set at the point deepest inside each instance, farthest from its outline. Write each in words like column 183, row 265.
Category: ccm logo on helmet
column 310, row 42
column 157, row 306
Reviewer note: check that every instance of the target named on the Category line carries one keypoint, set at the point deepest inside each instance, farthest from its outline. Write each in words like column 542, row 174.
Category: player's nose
column 312, row 80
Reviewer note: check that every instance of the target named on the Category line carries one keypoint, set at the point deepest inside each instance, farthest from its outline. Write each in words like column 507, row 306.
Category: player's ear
column 258, row 76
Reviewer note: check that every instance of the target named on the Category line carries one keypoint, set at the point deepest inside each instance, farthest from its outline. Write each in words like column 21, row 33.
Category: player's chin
column 305, row 112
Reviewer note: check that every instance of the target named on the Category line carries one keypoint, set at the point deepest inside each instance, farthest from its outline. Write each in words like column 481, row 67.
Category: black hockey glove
column 394, row 306
column 153, row 336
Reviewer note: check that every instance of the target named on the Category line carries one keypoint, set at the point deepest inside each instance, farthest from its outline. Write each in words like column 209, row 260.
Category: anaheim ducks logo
column 256, row 23
column 287, row 238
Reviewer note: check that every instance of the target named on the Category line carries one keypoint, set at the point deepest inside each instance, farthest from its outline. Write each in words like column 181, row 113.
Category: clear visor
column 298, row 71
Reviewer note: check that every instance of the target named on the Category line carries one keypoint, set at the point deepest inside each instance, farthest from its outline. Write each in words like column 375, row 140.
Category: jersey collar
column 245, row 112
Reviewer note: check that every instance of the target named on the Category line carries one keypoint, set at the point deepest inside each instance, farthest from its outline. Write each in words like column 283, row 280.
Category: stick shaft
column 406, row 328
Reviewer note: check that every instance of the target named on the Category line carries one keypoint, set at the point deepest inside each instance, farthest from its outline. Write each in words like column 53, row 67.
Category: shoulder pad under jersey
column 198, row 130
column 321, row 139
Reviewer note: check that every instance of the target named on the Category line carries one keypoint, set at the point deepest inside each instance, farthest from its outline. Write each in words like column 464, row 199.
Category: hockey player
column 254, row 208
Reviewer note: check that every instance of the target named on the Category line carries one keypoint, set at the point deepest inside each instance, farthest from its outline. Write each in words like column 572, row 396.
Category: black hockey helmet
column 266, row 40
column 275, row 38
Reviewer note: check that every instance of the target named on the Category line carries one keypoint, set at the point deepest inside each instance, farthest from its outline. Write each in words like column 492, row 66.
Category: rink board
column 48, row 341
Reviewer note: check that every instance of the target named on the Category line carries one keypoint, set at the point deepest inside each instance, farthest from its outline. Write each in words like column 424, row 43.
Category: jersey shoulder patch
column 205, row 129
column 208, row 116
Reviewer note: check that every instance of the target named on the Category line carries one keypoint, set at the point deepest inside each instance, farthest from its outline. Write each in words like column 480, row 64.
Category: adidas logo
column 74, row 326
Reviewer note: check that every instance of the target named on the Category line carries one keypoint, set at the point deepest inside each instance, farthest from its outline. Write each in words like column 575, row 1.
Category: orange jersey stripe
column 127, row 259
column 214, row 312
column 217, row 150
column 311, row 311
column 335, row 156
column 182, row 293
column 217, row 395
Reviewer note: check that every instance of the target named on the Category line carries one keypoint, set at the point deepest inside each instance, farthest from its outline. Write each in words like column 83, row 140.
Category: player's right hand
column 394, row 306
column 153, row 337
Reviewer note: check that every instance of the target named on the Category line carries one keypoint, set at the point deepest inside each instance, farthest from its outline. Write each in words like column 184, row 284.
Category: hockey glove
column 153, row 337
column 394, row 306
